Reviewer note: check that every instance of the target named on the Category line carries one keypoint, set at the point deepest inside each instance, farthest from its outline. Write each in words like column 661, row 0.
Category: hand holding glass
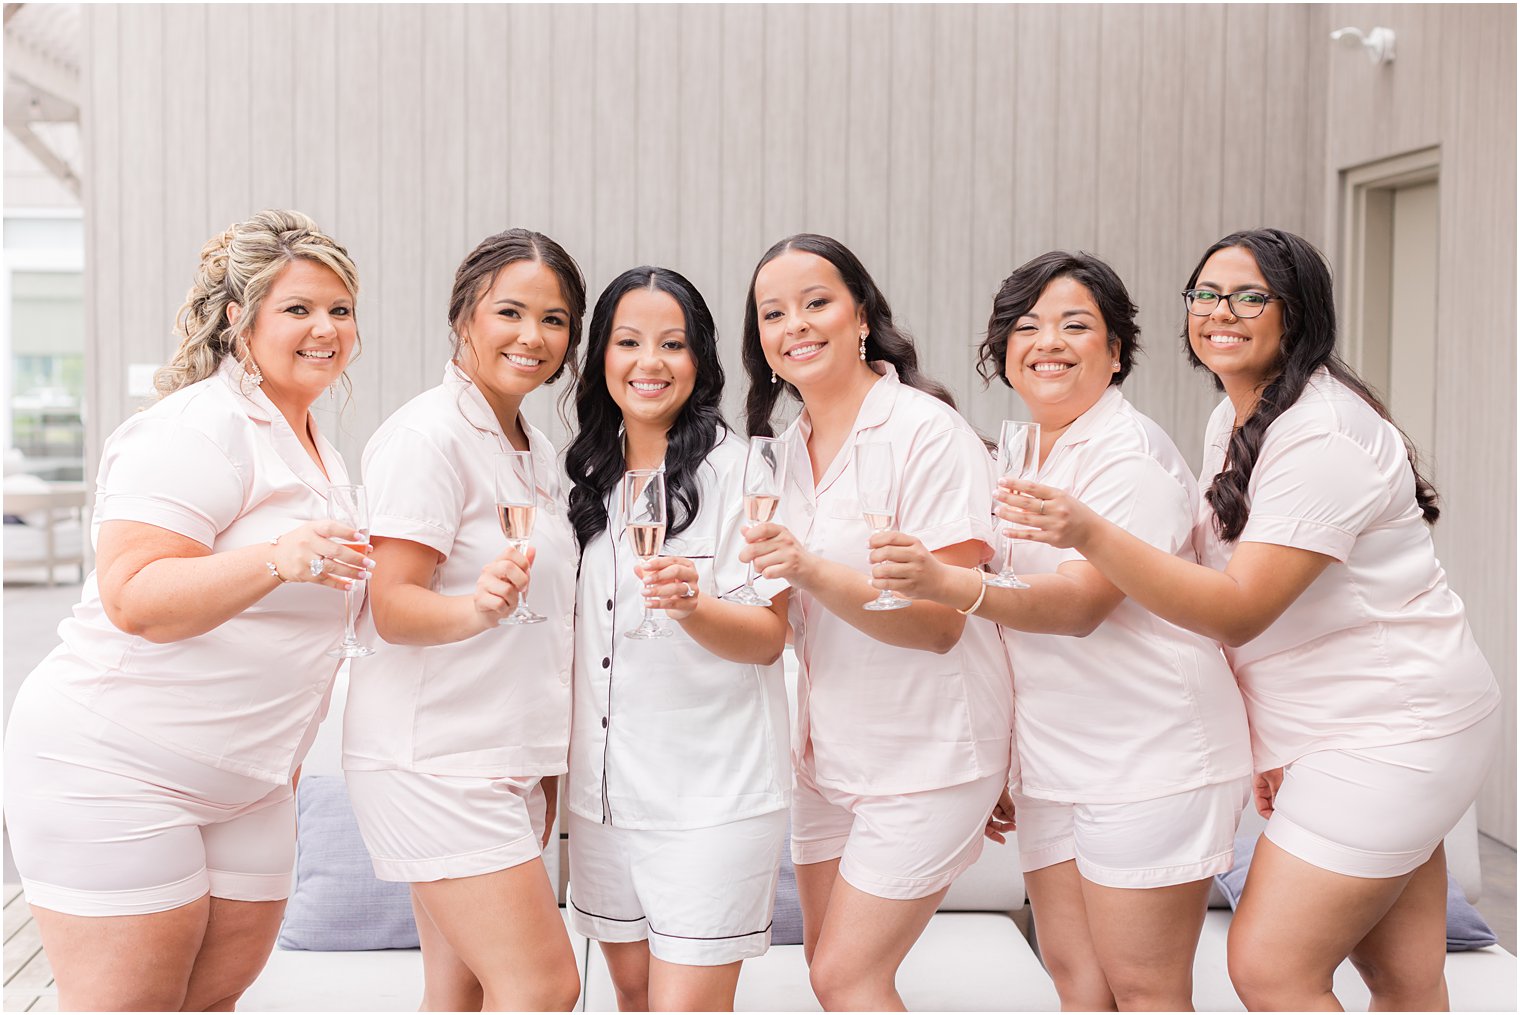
column 1018, row 456
column 516, row 505
column 348, row 504
column 876, row 486
column 644, row 520
column 764, row 476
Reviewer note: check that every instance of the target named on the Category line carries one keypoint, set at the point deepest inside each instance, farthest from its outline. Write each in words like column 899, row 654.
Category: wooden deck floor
column 28, row 977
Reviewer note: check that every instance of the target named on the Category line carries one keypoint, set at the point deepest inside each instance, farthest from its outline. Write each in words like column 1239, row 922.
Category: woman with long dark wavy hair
column 1373, row 714
column 903, row 725
column 678, row 764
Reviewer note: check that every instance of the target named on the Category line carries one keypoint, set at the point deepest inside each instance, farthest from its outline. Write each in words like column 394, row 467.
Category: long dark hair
column 1298, row 275
column 595, row 458
column 885, row 341
column 1021, row 291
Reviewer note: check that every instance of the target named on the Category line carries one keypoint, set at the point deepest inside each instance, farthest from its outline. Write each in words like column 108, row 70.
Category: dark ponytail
column 885, row 340
column 1298, row 275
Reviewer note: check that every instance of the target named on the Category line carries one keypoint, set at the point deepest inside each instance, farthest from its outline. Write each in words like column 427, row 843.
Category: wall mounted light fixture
column 1377, row 44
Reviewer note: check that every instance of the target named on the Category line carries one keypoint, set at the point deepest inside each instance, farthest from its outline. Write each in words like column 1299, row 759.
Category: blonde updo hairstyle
column 238, row 266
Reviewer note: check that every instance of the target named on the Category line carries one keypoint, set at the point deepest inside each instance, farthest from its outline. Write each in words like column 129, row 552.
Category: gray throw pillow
column 338, row 904
column 1465, row 927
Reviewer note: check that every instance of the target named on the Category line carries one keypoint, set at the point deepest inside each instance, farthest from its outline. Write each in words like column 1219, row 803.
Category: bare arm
column 1072, row 601
column 167, row 587
column 408, row 612
column 1231, row 606
column 743, row 634
column 843, row 591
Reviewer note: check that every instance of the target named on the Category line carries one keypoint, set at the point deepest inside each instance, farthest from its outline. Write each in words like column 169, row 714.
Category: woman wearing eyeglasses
column 1373, row 713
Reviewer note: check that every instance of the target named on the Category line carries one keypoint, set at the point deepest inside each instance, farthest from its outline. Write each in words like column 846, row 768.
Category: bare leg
column 123, row 963
column 1145, row 939
column 1296, row 923
column 1403, row 958
column 447, row 983
column 1066, row 946
column 628, row 962
column 815, row 883
column 239, row 938
column 505, row 926
column 863, row 940
column 674, row 987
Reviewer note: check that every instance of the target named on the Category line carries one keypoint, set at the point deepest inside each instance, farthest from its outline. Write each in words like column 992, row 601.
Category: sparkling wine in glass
column 1018, row 456
column 764, row 476
column 516, row 506
column 644, row 518
column 348, row 504
column 876, row 485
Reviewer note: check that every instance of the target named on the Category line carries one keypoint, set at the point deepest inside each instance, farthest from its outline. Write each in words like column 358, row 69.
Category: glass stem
column 348, row 616
column 522, row 597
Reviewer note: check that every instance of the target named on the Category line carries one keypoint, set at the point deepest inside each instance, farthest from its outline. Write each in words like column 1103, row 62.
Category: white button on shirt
column 1377, row 650
column 218, row 463
column 881, row 719
column 666, row 734
column 1139, row 708
column 497, row 703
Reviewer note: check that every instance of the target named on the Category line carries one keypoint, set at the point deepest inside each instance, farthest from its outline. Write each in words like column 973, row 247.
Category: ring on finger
column 316, row 566
column 1042, row 507
column 689, row 590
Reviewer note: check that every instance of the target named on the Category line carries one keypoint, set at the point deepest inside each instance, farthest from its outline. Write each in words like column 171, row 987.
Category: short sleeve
column 414, row 491
column 162, row 472
column 946, row 495
column 1136, row 493
column 1314, row 492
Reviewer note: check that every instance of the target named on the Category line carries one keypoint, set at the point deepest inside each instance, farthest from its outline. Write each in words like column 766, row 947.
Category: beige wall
column 945, row 144
column 1453, row 85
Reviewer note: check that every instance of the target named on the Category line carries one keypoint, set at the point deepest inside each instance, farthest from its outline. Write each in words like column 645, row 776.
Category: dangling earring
column 862, row 345
column 774, row 378
column 250, row 366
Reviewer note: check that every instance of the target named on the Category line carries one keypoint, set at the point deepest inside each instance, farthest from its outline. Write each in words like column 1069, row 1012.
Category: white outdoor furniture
column 52, row 531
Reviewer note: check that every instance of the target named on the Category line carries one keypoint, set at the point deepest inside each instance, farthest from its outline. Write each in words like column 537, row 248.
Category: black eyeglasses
column 1246, row 303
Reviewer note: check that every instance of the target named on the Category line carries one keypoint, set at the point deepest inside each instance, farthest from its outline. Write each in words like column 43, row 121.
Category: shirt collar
column 478, row 413
column 249, row 396
column 252, row 400
column 1090, row 423
column 874, row 411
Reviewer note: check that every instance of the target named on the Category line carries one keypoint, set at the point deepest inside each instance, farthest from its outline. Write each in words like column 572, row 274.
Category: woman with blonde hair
column 149, row 759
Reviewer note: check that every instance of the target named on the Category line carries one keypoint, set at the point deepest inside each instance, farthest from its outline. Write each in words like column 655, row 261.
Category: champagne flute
column 876, row 485
column 516, row 503
column 644, row 520
column 764, row 476
column 348, row 504
column 1018, row 456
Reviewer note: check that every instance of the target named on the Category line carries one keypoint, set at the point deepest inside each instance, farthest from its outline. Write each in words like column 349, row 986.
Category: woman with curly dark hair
column 1373, row 714
column 678, row 749
column 1119, row 846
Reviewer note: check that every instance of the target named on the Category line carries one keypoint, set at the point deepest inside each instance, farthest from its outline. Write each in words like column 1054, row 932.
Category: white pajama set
column 138, row 776
column 679, row 778
column 1134, row 756
column 900, row 754
column 1369, row 691
column 444, row 746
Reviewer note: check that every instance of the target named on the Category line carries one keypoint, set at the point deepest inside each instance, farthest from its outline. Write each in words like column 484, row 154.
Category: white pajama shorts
column 1169, row 840
column 422, row 827
column 1380, row 812
column 104, row 822
column 701, row 896
column 893, row 846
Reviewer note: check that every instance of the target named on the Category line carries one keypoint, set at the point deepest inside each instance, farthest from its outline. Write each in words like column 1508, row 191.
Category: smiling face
column 649, row 366
column 810, row 325
column 516, row 336
column 303, row 333
column 1060, row 358
column 1244, row 353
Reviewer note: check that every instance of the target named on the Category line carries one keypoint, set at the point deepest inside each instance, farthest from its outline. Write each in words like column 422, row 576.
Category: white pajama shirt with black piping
column 679, row 778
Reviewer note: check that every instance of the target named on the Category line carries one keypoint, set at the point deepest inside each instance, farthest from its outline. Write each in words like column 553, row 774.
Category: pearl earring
column 774, row 378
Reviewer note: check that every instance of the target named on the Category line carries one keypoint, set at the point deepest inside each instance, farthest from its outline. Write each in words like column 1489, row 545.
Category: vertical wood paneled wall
column 944, row 144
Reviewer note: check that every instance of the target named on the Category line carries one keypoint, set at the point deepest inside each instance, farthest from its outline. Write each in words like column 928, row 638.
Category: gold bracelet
column 274, row 572
column 981, row 594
